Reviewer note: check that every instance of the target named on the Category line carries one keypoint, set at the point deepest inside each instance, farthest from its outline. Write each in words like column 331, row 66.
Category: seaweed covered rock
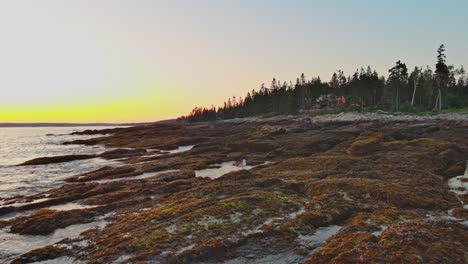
column 106, row 173
column 334, row 192
column 175, row 175
column 45, row 221
column 122, row 153
column 409, row 242
column 367, row 143
column 42, row 254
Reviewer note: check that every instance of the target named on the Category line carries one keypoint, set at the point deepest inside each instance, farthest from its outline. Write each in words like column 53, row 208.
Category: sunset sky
column 137, row 60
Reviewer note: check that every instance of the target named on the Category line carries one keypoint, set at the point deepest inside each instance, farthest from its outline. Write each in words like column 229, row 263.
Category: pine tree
column 442, row 76
column 398, row 78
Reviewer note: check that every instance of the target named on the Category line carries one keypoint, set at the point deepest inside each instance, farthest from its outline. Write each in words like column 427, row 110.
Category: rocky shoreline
column 347, row 188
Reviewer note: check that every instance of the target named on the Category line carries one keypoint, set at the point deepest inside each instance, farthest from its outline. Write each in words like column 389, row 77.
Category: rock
column 236, row 175
column 122, row 153
column 455, row 170
column 460, row 213
column 44, row 221
column 268, row 182
column 46, row 253
column 56, row 159
column 378, row 182
column 88, row 132
column 7, row 209
column 106, row 173
column 3, row 224
column 365, row 145
column 410, row 242
column 176, row 175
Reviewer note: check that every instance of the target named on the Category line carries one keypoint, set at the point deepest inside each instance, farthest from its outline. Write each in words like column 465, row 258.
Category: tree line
column 421, row 90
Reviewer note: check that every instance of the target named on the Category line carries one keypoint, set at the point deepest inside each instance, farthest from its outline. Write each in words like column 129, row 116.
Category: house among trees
column 329, row 101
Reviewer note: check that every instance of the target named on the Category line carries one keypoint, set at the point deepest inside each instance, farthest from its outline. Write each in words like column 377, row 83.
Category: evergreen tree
column 441, row 76
column 420, row 89
column 398, row 79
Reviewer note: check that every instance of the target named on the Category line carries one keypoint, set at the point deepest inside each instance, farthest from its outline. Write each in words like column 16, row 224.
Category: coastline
column 342, row 187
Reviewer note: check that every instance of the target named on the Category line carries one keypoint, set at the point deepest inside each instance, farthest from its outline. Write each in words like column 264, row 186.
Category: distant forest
column 421, row 90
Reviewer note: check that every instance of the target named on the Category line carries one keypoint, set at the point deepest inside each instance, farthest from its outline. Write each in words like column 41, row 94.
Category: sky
column 148, row 60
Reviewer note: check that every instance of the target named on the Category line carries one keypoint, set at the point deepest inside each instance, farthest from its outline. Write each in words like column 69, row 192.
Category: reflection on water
column 320, row 236
column 139, row 177
column 60, row 207
column 13, row 245
column 220, row 169
column 19, row 144
column 61, row 260
column 217, row 170
column 181, row 149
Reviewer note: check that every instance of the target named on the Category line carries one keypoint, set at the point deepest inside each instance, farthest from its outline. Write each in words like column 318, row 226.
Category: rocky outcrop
column 45, row 221
column 42, row 254
column 176, row 175
column 122, row 153
column 56, row 159
column 408, row 242
column 333, row 192
column 106, row 173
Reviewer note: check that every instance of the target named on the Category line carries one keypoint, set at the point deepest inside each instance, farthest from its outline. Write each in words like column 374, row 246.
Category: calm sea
column 19, row 144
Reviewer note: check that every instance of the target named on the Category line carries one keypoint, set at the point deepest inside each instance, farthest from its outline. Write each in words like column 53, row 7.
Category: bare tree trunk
column 414, row 93
column 440, row 100
column 436, row 106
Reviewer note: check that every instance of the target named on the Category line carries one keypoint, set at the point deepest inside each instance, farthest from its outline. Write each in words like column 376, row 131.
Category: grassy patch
column 364, row 146
column 185, row 229
column 236, row 204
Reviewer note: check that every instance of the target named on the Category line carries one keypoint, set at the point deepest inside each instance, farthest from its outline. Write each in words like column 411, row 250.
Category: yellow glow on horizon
column 117, row 112
column 141, row 107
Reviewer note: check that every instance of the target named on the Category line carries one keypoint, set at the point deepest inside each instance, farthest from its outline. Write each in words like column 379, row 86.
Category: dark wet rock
column 454, row 171
column 298, row 187
column 267, row 182
column 92, row 141
column 96, row 132
column 122, row 153
column 47, row 202
column 42, row 254
column 106, row 173
column 251, row 147
column 237, row 175
column 71, row 190
column 176, row 175
column 7, row 209
column 56, row 159
column 87, row 132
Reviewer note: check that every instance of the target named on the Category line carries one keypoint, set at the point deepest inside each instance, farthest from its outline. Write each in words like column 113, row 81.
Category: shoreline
column 355, row 116
column 311, row 186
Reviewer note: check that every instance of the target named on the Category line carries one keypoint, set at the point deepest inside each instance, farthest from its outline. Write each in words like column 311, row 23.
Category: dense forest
column 421, row 90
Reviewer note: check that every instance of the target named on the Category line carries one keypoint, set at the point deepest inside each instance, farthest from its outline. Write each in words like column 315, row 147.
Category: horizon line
column 66, row 124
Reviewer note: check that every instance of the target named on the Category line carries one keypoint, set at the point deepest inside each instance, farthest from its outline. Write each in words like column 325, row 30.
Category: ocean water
column 19, row 144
